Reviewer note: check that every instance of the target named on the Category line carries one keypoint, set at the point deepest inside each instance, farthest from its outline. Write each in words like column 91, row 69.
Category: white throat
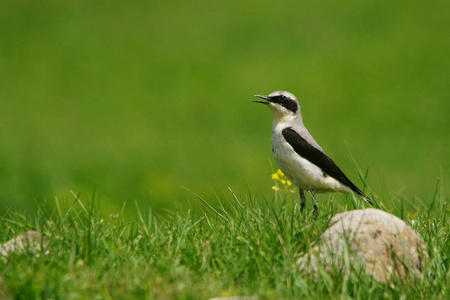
column 282, row 118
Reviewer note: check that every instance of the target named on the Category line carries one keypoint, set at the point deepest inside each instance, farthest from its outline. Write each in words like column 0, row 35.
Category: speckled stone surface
column 380, row 243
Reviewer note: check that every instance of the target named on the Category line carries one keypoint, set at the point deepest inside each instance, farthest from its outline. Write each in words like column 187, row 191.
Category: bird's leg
column 302, row 200
column 316, row 202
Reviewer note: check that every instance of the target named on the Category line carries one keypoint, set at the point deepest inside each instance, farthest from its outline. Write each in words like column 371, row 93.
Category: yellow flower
column 284, row 182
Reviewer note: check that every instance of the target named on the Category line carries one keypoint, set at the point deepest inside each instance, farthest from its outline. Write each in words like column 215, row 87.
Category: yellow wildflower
column 278, row 176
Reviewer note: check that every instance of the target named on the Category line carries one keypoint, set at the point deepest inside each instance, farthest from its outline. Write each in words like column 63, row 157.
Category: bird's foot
column 302, row 200
column 315, row 211
column 302, row 207
column 316, row 202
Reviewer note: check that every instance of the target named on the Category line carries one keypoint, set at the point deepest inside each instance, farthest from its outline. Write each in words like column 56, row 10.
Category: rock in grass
column 380, row 243
column 31, row 241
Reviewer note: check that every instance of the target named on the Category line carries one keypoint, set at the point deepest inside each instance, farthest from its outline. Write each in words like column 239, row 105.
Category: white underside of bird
column 301, row 171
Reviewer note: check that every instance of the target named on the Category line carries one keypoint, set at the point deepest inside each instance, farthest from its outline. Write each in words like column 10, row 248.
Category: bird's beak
column 262, row 97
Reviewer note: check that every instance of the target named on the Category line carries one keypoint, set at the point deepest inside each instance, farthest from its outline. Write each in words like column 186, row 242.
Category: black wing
column 317, row 157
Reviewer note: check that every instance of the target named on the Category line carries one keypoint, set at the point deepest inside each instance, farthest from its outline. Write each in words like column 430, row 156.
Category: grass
column 135, row 100
column 247, row 246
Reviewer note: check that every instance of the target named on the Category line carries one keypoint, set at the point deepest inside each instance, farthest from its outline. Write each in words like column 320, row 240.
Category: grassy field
column 134, row 100
column 131, row 106
column 248, row 247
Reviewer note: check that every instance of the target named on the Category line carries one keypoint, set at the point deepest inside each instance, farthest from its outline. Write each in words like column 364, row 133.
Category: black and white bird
column 299, row 156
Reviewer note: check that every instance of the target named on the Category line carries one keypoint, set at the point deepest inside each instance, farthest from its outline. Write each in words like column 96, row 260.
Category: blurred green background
column 131, row 100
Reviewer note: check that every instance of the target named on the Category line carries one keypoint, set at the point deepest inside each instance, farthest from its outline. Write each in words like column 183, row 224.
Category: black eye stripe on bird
column 287, row 100
column 299, row 156
column 287, row 103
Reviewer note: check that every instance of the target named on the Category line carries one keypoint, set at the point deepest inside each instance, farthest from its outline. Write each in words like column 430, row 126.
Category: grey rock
column 376, row 241
column 28, row 241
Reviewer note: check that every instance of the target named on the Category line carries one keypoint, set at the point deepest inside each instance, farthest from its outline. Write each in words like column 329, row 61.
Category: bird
column 299, row 156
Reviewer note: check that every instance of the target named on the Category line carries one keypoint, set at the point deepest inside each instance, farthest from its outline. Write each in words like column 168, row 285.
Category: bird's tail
column 364, row 197
column 367, row 199
column 360, row 194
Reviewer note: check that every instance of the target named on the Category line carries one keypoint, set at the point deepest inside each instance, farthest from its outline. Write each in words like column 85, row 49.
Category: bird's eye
column 282, row 97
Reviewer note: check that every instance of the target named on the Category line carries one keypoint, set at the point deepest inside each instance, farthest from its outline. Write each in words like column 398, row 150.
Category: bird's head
column 283, row 104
